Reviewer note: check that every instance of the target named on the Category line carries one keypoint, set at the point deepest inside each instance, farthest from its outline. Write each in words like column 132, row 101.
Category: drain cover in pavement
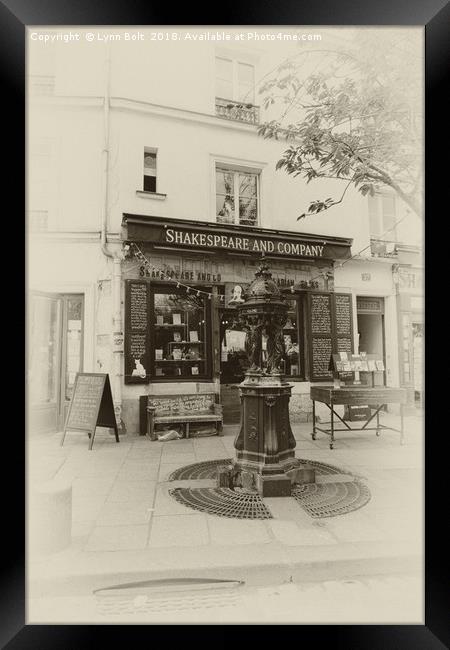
column 208, row 469
column 223, row 502
column 334, row 496
column 331, row 499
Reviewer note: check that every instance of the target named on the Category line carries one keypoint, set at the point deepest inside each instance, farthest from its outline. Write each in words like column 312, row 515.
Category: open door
column 55, row 355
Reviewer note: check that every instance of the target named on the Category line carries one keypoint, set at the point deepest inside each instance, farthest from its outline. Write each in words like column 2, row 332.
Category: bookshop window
column 180, row 335
column 294, row 340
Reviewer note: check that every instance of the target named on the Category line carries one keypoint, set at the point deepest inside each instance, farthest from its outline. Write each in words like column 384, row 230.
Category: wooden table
column 357, row 396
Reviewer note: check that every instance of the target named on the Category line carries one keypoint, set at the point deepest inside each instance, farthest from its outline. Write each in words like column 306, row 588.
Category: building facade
column 150, row 207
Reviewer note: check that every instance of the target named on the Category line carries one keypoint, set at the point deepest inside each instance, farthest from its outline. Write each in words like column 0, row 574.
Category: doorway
column 55, row 355
column 370, row 319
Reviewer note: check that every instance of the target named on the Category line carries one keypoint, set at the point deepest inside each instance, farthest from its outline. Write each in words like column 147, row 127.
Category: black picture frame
column 15, row 15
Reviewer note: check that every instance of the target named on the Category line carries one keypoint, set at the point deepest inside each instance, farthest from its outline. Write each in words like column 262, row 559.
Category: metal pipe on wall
column 117, row 335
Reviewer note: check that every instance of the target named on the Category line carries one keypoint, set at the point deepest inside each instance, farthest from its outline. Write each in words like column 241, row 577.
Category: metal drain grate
column 331, row 499
column 208, row 469
column 223, row 502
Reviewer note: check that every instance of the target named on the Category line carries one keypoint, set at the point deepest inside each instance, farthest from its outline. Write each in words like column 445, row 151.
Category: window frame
column 162, row 287
column 150, row 150
column 235, row 63
column 236, row 170
column 380, row 215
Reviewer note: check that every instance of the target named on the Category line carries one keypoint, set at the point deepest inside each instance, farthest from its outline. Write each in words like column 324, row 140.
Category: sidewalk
column 126, row 527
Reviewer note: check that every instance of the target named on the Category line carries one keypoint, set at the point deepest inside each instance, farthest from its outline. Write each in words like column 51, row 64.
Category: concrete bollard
column 50, row 517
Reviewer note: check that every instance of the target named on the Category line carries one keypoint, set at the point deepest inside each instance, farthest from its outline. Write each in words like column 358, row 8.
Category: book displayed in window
column 181, row 339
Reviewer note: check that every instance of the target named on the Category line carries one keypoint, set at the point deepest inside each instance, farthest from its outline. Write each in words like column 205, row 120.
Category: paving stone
column 292, row 534
column 132, row 491
column 141, row 473
column 87, row 508
column 224, row 531
column 179, row 530
column 122, row 513
column 91, row 486
column 117, row 538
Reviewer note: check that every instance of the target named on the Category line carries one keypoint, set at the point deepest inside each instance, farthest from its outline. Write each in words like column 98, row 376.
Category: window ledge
column 151, row 195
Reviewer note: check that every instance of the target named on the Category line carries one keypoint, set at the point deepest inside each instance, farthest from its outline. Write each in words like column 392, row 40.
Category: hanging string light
column 159, row 273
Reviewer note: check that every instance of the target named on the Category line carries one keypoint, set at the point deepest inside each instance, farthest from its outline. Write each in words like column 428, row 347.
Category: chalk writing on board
column 343, row 314
column 321, row 354
column 137, row 337
column 86, row 400
column 344, row 345
column 320, row 314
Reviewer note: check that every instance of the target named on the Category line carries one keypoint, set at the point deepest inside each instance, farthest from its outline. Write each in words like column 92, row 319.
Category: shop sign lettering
column 246, row 244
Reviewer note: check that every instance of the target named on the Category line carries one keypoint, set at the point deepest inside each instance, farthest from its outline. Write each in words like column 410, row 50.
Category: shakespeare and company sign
column 257, row 241
column 242, row 243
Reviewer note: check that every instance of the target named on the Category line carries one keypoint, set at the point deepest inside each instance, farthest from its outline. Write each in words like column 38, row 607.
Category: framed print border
column 15, row 16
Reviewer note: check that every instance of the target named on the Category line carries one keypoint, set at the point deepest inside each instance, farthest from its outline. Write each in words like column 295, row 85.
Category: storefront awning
column 200, row 236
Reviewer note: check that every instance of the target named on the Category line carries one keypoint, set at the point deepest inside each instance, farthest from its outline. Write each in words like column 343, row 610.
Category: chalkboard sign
column 91, row 406
column 320, row 313
column 330, row 330
column 321, row 349
column 137, row 332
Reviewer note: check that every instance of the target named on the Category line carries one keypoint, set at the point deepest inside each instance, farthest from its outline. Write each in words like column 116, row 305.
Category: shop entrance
column 370, row 318
column 233, row 364
column 55, row 355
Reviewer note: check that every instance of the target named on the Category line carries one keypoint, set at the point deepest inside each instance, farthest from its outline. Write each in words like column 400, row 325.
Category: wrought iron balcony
column 237, row 111
column 380, row 248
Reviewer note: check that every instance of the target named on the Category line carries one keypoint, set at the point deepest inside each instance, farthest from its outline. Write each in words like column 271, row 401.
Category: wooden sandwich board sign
column 91, row 405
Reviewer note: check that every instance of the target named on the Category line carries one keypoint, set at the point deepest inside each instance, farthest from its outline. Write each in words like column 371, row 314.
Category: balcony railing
column 237, row 111
column 380, row 248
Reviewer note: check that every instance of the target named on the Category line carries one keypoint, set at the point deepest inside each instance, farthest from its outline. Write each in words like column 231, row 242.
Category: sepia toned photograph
column 225, row 325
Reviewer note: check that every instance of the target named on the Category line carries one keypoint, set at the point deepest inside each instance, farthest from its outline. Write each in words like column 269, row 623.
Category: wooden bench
column 179, row 409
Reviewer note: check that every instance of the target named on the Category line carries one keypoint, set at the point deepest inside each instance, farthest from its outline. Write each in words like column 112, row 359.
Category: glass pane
column 224, row 78
column 291, row 342
column 224, row 89
column 246, row 83
column 149, row 161
column 374, row 218
column 44, row 350
column 248, row 185
column 246, row 74
column 74, row 338
column 224, row 69
column 149, row 183
column 248, row 212
column 388, row 215
column 388, row 203
column 225, row 208
column 234, row 360
column 180, row 335
column 224, row 181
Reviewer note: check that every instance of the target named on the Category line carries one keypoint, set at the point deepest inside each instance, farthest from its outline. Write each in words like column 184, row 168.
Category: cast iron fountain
column 265, row 446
